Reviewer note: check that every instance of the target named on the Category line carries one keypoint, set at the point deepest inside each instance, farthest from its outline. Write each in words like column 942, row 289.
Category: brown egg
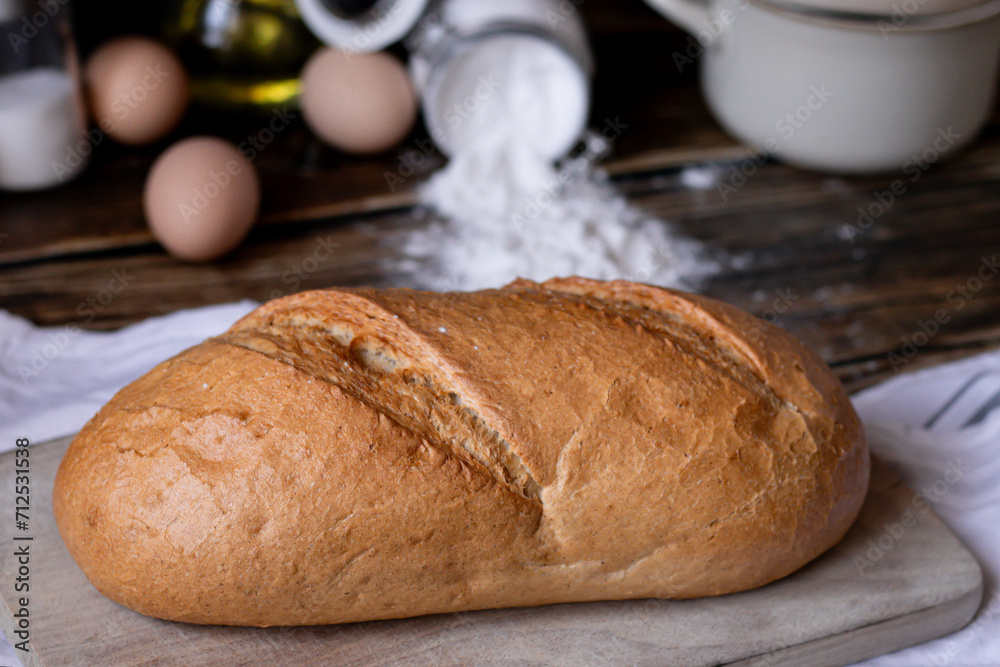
column 137, row 89
column 357, row 102
column 201, row 198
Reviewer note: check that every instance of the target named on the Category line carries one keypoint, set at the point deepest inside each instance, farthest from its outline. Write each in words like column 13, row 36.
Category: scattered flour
column 504, row 210
column 587, row 229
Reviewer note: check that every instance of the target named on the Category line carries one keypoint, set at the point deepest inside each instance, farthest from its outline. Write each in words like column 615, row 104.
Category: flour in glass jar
column 504, row 210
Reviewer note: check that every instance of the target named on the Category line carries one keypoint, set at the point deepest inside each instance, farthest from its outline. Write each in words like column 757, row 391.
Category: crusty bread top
column 513, row 376
column 539, row 443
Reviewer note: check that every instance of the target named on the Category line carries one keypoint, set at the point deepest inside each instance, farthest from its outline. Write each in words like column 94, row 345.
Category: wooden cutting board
column 890, row 583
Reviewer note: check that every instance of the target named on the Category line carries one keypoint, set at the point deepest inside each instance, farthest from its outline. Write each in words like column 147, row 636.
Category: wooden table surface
column 865, row 303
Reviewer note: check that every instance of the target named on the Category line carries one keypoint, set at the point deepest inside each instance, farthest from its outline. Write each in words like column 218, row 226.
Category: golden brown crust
column 347, row 455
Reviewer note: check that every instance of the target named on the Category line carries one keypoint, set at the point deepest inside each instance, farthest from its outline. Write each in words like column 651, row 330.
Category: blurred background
column 853, row 263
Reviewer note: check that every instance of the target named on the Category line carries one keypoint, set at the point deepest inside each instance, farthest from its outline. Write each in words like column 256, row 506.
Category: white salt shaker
column 42, row 116
column 477, row 64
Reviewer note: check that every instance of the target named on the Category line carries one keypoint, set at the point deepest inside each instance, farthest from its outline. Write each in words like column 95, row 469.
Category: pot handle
column 688, row 14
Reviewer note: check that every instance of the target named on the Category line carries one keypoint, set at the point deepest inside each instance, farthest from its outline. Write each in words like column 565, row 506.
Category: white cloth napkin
column 939, row 428
column 53, row 380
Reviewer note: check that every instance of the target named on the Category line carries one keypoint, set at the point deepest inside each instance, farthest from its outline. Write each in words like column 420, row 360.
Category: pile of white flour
column 504, row 211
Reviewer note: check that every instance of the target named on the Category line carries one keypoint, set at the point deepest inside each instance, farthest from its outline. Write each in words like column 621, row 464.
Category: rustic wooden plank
column 834, row 611
column 906, row 630
column 854, row 302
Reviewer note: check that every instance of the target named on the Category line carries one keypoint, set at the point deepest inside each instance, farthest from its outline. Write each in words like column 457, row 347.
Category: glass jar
column 42, row 115
column 479, row 63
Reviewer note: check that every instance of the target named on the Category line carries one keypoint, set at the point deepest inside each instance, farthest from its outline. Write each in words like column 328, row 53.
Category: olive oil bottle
column 242, row 54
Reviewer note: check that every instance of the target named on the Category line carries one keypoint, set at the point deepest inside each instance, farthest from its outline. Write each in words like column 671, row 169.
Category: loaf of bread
column 356, row 454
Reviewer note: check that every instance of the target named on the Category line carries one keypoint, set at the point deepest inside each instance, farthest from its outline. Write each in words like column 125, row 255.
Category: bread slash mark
column 361, row 356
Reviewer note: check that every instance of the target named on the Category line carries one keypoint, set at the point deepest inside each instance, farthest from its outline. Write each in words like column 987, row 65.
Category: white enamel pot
column 847, row 86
